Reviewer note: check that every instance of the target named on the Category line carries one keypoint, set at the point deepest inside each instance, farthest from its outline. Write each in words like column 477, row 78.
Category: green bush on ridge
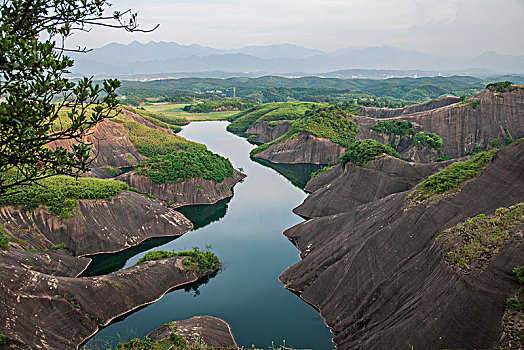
column 361, row 152
column 452, row 178
column 201, row 260
column 428, row 140
column 186, row 164
column 60, row 194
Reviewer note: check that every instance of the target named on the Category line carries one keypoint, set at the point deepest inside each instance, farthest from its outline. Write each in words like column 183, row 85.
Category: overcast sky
column 448, row 27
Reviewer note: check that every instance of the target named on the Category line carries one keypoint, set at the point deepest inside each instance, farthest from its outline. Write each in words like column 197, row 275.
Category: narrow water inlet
column 245, row 232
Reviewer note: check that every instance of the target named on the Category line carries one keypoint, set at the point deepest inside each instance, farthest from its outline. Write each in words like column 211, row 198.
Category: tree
column 33, row 69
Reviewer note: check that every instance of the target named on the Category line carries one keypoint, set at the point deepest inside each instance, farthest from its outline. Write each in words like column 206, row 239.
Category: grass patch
column 361, row 152
column 60, row 194
column 242, row 121
column 186, row 164
column 481, row 237
column 452, row 178
column 321, row 171
column 152, row 142
column 201, row 260
column 158, row 119
column 175, row 114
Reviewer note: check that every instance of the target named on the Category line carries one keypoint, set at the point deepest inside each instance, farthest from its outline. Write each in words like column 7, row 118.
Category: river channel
column 245, row 232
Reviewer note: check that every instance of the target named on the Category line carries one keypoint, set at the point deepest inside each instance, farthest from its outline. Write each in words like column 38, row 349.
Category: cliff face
column 55, row 312
column 421, row 107
column 98, row 226
column 380, row 279
column 305, row 148
column 111, row 147
column 479, row 120
column 266, row 132
column 343, row 190
column 189, row 192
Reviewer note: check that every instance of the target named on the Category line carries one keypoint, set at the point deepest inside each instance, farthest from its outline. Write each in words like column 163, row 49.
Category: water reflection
column 298, row 174
column 203, row 215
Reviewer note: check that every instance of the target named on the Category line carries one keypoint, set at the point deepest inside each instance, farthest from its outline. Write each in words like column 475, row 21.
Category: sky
column 450, row 28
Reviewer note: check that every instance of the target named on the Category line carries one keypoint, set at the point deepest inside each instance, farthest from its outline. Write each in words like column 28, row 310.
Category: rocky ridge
column 378, row 275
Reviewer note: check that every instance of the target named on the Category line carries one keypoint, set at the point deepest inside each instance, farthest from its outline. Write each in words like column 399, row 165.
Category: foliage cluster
column 482, row 236
column 327, row 122
column 60, row 194
column 501, row 86
column 452, row 178
column 209, row 106
column 33, row 75
column 137, row 93
column 321, row 171
column 201, row 260
column 179, row 166
column 361, row 152
column 4, row 241
column 427, row 139
column 152, row 142
column 396, row 127
column 268, row 112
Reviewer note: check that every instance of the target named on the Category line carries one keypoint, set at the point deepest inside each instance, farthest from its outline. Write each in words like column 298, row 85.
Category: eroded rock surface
column 266, row 132
column 98, row 226
column 343, row 190
column 305, row 148
column 212, row 331
column 55, row 312
column 380, row 278
column 190, row 192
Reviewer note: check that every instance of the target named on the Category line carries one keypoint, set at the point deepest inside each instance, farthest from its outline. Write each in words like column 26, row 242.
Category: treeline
column 314, row 89
column 214, row 105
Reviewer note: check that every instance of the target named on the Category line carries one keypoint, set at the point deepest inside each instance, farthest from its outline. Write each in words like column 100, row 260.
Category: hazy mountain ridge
column 171, row 57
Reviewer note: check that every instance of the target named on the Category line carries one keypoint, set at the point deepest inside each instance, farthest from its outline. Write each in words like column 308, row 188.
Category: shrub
column 519, row 272
column 187, row 164
column 427, row 139
column 452, row 178
column 513, row 305
column 4, row 241
column 361, row 152
column 398, row 127
column 501, row 86
column 3, row 339
column 205, row 260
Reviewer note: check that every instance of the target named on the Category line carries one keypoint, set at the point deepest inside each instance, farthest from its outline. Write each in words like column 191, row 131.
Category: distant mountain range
column 160, row 58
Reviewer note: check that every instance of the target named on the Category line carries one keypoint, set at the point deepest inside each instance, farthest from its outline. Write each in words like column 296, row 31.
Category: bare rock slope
column 379, row 277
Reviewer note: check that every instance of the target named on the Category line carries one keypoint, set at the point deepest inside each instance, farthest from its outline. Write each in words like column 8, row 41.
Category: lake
column 245, row 232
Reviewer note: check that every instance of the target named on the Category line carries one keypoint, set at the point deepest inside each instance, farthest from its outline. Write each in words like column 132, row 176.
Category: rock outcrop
column 55, row 312
column 189, row 192
column 99, row 226
column 343, row 190
column 379, row 278
column 264, row 131
column 421, row 107
column 111, row 148
column 304, row 148
column 482, row 118
column 212, row 331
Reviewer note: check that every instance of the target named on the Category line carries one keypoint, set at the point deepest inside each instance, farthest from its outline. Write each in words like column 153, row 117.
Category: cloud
column 329, row 24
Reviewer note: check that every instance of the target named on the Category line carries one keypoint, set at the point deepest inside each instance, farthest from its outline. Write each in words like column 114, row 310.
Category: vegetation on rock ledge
column 60, row 194
column 427, row 139
column 187, row 164
column 201, row 260
column 482, row 237
column 452, row 178
column 361, row 152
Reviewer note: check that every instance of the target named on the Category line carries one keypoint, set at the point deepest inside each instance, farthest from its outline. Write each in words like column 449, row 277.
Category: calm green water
column 246, row 233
